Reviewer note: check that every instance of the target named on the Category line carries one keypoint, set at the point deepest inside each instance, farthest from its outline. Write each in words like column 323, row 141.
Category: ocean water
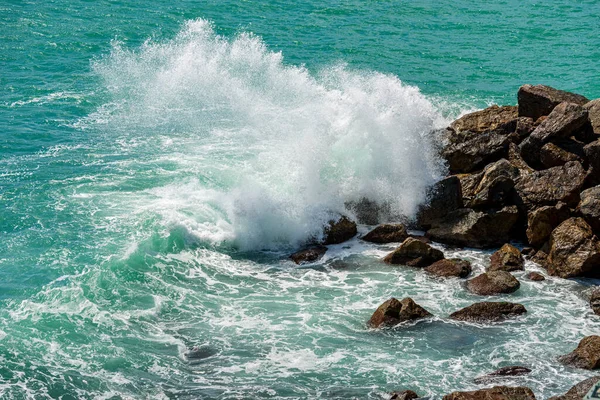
column 160, row 160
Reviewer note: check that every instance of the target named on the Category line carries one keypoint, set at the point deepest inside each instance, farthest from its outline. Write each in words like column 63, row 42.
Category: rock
column 536, row 101
column 443, row 197
column 528, row 251
column 548, row 187
column 339, row 231
column 392, row 312
column 535, row 276
column 541, row 258
column 404, row 395
column 589, row 207
column 516, row 160
column 387, row 233
column 309, row 255
column 553, row 156
column 502, row 373
column 475, row 152
column 467, row 227
column 414, row 253
column 493, row 118
column 593, row 109
column 494, row 393
column 592, row 154
column 449, row 268
column 496, row 185
column 574, row 250
column 489, row 312
column 595, row 301
column 200, row 352
column 525, row 126
column 508, row 258
column 542, row 221
column 494, row 282
column 578, row 391
column 586, row 355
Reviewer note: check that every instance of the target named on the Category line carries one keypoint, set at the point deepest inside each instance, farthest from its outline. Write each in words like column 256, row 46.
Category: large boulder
column 548, row 187
column 414, row 253
column 454, row 267
column 339, row 231
column 589, row 207
column 442, row 198
column 574, row 250
column 387, row 233
column 495, row 187
column 309, row 255
column 393, row 311
column 579, row 391
column 503, row 372
column 536, row 101
column 592, row 154
column 595, row 301
column 552, row 155
column 404, row 395
column 492, row 283
column 507, row 258
column 494, row 118
column 489, row 311
column 481, row 229
column 494, row 393
column 586, row 355
column 475, row 152
column 516, row 159
column 593, row 109
column 542, row 221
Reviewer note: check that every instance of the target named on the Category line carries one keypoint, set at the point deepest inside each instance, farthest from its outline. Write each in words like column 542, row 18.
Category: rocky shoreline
column 528, row 173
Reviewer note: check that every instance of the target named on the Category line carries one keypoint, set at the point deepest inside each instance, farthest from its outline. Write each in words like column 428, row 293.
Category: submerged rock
column 387, row 233
column 508, row 258
column 503, row 373
column 494, row 282
column 535, row 276
column 495, row 393
column 536, row 101
column 443, row 197
column 393, row 312
column 579, row 391
column 309, row 255
column 454, row 267
column 589, row 207
column 414, row 253
column 586, row 355
column 404, row 395
column 339, row 231
column 542, row 221
column 574, row 250
column 489, row 311
column 595, row 301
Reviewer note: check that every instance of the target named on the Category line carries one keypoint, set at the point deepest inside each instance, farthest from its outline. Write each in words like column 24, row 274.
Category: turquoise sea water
column 159, row 160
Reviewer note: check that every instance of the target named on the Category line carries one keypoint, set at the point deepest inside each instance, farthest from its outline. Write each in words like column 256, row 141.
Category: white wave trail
column 286, row 148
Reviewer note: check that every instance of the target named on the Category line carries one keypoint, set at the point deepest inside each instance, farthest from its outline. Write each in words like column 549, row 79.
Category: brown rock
column 593, row 109
column 309, row 255
column 586, row 355
column 493, row 118
column 489, row 312
column 535, row 276
column 540, row 258
column 553, row 156
column 574, row 250
column 507, row 258
column 339, row 231
column 369, row 212
column 528, row 251
column 475, row 152
column 536, row 101
column 414, row 253
column 444, row 197
column 454, row 267
column 515, row 158
column 589, row 207
column 495, row 393
column 387, row 233
column 592, row 154
column 542, row 221
column 578, row 391
column 404, row 395
column 503, row 373
column 494, row 282
column 392, row 312
column 595, row 301
column 467, row 227
column 496, row 185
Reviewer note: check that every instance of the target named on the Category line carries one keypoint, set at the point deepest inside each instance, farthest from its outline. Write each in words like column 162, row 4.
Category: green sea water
column 160, row 160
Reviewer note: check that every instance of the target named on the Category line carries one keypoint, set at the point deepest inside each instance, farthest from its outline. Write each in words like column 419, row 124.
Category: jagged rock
column 489, row 311
column 574, row 250
column 507, row 258
column 548, row 187
column 467, row 227
column 495, row 393
column 494, row 118
column 535, row 276
column 564, row 121
column 589, row 207
column 468, row 184
column 309, row 255
column 586, row 355
column 449, row 268
column 541, row 258
column 392, row 312
column 595, row 301
column 502, row 373
column 553, row 156
column 414, row 253
column 578, row 391
column 495, row 186
column 536, row 101
column 542, row 221
column 528, row 251
column 475, row 152
column 494, row 282
column 593, row 109
column 592, row 154
column 339, row 231
column 525, row 126
column 387, row 233
column 404, row 395
column 443, row 197
column 516, row 160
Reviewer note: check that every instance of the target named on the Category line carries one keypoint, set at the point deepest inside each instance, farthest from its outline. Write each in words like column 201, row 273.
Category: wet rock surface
column 309, row 255
column 414, row 253
column 494, row 393
column 574, row 250
column 508, row 258
column 586, row 355
column 394, row 311
column 339, row 231
column 503, row 373
column 489, row 311
column 492, row 283
column 578, row 391
column 387, row 233
column 454, row 267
